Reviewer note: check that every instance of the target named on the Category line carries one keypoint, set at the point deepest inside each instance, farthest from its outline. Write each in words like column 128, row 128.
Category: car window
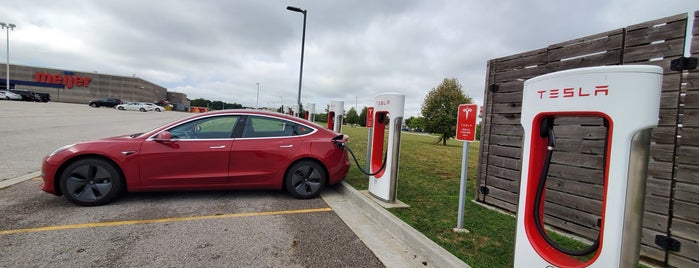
column 263, row 127
column 219, row 127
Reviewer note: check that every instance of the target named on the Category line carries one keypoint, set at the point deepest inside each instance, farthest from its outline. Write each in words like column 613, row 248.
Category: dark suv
column 26, row 94
column 108, row 102
column 42, row 97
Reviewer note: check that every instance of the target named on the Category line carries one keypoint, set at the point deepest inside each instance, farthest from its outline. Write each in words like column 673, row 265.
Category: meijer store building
column 81, row 87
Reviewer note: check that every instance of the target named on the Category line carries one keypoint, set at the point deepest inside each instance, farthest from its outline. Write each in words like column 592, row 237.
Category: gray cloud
column 219, row 50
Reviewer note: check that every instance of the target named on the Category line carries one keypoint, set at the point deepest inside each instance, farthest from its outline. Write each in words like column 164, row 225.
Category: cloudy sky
column 221, row 50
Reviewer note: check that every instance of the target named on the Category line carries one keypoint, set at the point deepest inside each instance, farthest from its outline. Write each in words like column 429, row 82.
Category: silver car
column 10, row 95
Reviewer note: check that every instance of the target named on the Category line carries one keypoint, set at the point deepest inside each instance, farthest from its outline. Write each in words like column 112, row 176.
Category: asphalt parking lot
column 168, row 229
column 344, row 228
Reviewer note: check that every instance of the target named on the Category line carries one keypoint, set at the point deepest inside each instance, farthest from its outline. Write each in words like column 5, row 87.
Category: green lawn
column 428, row 182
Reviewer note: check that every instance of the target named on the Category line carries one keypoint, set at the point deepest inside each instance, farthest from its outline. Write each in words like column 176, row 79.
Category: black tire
column 121, row 108
column 94, row 105
column 91, row 182
column 158, row 110
column 305, row 179
column 142, row 109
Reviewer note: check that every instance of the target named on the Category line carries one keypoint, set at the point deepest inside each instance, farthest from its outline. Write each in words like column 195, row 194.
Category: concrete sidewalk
column 393, row 241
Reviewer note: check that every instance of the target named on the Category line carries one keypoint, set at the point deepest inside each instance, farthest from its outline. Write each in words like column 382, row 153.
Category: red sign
column 62, row 79
column 466, row 122
column 369, row 117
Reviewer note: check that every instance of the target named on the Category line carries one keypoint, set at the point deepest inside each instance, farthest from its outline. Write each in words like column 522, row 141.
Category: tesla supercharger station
column 310, row 112
column 627, row 99
column 335, row 113
column 388, row 109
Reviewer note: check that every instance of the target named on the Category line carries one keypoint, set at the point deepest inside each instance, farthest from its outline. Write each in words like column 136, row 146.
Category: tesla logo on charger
column 571, row 92
column 383, row 102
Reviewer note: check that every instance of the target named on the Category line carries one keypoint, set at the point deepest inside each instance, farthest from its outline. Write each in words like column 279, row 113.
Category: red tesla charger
column 229, row 149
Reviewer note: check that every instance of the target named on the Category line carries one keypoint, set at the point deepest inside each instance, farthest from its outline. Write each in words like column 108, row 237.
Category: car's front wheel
column 91, row 182
column 305, row 179
column 121, row 108
column 142, row 109
column 93, row 105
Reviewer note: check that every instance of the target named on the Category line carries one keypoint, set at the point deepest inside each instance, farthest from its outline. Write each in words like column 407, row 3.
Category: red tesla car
column 229, row 149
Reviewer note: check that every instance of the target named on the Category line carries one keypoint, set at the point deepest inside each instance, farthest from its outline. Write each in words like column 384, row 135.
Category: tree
column 351, row 117
column 440, row 108
column 362, row 117
column 415, row 122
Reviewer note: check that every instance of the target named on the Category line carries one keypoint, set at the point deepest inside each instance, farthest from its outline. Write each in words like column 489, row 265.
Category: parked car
column 271, row 151
column 154, row 107
column 42, row 97
column 8, row 95
column 134, row 106
column 108, row 102
column 26, row 94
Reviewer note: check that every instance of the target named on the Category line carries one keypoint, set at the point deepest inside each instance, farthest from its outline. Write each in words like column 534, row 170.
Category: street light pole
column 257, row 106
column 9, row 27
column 303, row 44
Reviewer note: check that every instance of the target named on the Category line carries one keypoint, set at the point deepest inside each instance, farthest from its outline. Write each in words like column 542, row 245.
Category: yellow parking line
column 164, row 220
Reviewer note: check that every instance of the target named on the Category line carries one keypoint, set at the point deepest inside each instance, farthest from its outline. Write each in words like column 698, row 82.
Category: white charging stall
column 627, row 97
column 310, row 112
column 336, row 111
column 388, row 110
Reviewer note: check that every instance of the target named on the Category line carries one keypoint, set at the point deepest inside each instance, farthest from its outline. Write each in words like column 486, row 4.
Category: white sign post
column 466, row 132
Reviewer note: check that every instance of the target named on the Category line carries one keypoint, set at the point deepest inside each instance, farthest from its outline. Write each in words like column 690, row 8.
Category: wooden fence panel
column 575, row 189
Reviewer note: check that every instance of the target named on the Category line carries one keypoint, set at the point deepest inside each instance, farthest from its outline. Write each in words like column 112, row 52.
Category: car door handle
column 218, row 147
column 286, row 146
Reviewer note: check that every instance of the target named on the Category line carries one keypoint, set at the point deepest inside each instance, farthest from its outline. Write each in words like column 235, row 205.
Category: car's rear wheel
column 93, row 105
column 91, row 182
column 142, row 109
column 305, row 179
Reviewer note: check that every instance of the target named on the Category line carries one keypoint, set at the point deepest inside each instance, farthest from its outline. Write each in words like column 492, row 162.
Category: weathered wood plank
column 610, row 58
column 592, row 191
column 657, row 204
column 604, row 43
column 507, row 97
column 507, row 130
column 668, row 49
column 506, row 119
column 505, row 162
column 576, row 222
column 520, row 60
column 688, row 173
column 503, row 184
column 691, row 100
column 512, row 141
column 575, row 202
column 576, row 173
column 510, row 152
column 658, row 187
column 686, row 211
column 653, row 33
column 512, row 107
column 524, row 73
column 505, row 173
column 691, row 118
column 688, row 155
column 668, row 117
column 648, row 247
column 687, row 256
column 578, row 160
column 651, row 23
column 502, row 199
column 687, row 192
column 662, row 152
column 660, row 170
column 654, row 221
column 664, row 135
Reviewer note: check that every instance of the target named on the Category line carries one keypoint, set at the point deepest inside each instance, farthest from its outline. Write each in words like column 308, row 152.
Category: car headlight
column 61, row 149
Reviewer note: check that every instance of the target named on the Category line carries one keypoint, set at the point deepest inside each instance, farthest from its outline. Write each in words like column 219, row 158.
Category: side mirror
column 163, row 136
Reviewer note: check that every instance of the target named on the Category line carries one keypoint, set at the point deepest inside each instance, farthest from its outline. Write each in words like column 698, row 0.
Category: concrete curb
column 10, row 182
column 418, row 244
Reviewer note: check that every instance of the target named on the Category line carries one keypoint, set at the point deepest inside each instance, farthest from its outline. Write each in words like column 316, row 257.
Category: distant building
column 82, row 87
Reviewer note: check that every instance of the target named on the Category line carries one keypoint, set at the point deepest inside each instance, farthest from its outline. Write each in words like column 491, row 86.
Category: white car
column 10, row 95
column 154, row 107
column 134, row 106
